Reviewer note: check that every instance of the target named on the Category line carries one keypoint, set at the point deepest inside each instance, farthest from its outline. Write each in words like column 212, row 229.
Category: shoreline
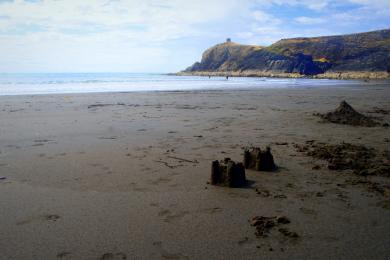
column 195, row 90
column 212, row 86
column 350, row 75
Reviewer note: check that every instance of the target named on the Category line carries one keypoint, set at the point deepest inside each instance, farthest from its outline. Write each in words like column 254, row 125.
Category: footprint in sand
column 154, row 204
column 43, row 141
column 238, row 195
column 175, row 216
column 164, row 212
column 146, row 169
column 113, row 256
column 64, row 256
column 169, row 216
column 308, row 211
column 384, row 204
column 211, row 210
column 141, row 189
column 104, row 168
column 42, row 218
column 108, row 138
column 160, row 180
column 243, row 241
column 167, row 255
column 51, row 217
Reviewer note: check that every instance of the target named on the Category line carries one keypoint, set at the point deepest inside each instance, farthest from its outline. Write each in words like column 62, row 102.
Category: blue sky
column 162, row 35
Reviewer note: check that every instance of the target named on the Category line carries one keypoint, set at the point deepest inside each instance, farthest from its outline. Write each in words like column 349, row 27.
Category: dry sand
column 106, row 181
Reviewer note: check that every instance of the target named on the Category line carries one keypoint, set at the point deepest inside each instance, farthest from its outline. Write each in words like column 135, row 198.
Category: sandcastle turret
column 256, row 159
column 228, row 173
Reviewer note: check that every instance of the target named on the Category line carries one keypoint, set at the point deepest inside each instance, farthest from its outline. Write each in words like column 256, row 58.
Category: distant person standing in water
column 227, row 77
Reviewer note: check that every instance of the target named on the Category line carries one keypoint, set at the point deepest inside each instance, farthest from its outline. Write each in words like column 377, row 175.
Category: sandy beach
column 125, row 175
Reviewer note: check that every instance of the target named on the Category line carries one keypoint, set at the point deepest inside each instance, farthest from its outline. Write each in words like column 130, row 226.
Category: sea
column 60, row 83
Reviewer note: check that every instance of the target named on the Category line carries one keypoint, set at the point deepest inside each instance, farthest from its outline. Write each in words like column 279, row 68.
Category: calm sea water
column 42, row 83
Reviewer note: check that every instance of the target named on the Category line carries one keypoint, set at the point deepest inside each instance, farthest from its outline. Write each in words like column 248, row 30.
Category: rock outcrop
column 362, row 52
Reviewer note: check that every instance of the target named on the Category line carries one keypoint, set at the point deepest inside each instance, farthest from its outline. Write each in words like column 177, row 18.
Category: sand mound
column 345, row 114
column 358, row 158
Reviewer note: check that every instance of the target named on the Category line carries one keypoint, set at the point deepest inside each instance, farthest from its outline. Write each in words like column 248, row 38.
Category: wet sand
column 115, row 175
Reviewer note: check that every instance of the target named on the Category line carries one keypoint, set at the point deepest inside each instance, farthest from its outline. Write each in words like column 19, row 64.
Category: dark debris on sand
column 381, row 111
column 380, row 188
column 264, row 225
column 345, row 156
column 104, row 105
column 345, row 114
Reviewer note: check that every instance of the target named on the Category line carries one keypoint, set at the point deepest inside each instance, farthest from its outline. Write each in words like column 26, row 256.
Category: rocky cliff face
column 309, row 56
column 224, row 57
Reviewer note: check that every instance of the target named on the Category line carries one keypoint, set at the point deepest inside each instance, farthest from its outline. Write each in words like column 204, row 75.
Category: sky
column 162, row 35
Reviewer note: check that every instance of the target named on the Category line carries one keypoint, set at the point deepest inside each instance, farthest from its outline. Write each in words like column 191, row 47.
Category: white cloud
column 317, row 5
column 265, row 26
column 245, row 35
column 98, row 34
column 156, row 20
column 322, row 5
column 365, row 15
column 311, row 4
column 309, row 20
column 375, row 4
column 263, row 17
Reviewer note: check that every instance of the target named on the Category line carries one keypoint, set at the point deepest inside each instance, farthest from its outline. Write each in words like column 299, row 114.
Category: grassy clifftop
column 365, row 52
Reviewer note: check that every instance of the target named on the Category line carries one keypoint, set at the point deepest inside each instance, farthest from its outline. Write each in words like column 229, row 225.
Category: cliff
column 353, row 54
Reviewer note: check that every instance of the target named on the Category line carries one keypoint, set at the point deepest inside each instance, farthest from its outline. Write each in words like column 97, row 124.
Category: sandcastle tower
column 228, row 173
column 256, row 159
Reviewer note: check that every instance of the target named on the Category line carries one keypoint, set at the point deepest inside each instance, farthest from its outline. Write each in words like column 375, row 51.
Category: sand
column 124, row 175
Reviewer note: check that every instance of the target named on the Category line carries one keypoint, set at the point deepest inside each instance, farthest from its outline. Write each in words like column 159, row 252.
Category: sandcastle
column 228, row 173
column 231, row 174
column 258, row 160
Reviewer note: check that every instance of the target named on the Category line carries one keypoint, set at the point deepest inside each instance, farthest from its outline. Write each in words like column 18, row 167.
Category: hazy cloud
column 309, row 20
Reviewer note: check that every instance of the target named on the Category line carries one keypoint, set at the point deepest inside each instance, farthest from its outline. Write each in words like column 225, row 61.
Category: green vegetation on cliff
column 362, row 52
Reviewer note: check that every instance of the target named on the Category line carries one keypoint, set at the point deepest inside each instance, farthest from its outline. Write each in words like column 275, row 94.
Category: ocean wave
column 19, row 84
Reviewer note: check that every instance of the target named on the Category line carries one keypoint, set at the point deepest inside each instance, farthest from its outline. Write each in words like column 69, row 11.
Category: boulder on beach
column 228, row 173
column 347, row 115
column 256, row 159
